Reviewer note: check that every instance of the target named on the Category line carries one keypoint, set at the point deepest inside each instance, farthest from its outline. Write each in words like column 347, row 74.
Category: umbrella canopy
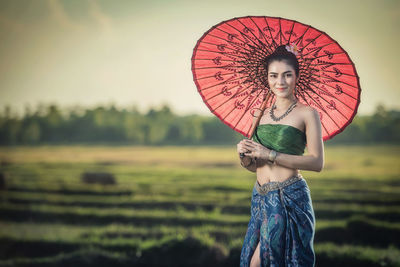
column 228, row 66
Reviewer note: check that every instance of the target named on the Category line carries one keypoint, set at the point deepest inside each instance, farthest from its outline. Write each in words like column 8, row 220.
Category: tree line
column 159, row 126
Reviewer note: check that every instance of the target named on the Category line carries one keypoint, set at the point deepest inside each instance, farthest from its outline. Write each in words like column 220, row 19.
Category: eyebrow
column 283, row 73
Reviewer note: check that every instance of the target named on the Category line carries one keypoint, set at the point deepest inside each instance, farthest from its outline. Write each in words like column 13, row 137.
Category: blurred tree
column 215, row 132
column 157, row 125
column 9, row 131
column 186, row 130
column 31, row 133
column 160, row 126
column 51, row 124
column 134, row 127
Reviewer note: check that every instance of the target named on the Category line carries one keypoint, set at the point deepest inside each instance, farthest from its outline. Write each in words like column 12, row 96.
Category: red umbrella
column 228, row 69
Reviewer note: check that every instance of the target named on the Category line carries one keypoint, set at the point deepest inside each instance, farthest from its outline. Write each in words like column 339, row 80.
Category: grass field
column 184, row 206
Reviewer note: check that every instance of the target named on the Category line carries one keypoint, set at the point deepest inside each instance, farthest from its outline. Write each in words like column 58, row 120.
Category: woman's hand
column 241, row 148
column 254, row 149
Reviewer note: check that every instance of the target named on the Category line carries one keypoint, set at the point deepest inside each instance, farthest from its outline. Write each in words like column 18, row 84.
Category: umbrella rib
column 261, row 49
column 270, row 33
column 228, row 60
column 333, row 96
column 233, row 44
column 263, row 45
column 310, row 52
column 338, row 81
column 242, row 35
column 228, row 41
column 335, row 88
column 218, row 67
column 235, row 36
column 251, row 33
column 311, row 89
column 247, row 108
column 244, row 89
column 313, row 40
column 239, row 102
column 266, row 41
column 226, row 47
column 338, row 63
column 222, row 53
column 206, row 77
column 333, row 54
column 204, row 42
column 331, row 71
column 291, row 32
column 302, row 36
column 221, row 93
column 224, row 82
column 280, row 30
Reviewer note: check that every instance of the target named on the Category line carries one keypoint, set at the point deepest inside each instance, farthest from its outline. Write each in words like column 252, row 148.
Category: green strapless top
column 281, row 138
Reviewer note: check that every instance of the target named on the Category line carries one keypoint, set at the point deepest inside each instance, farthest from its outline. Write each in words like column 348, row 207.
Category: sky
column 138, row 53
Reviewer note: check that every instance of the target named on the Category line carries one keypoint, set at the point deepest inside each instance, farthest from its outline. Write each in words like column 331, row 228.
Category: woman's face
column 281, row 78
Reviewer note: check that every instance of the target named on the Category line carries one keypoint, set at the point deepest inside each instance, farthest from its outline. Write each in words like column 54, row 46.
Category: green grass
column 166, row 197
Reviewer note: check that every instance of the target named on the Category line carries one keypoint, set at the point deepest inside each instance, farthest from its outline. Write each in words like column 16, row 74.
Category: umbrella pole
column 262, row 108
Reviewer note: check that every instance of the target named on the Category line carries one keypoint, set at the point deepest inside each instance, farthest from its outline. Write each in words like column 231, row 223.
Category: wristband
column 272, row 155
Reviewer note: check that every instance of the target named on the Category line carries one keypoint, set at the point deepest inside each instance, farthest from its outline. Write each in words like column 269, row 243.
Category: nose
column 281, row 80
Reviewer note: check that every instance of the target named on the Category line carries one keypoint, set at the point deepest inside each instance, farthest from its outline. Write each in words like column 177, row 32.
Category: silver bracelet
column 272, row 155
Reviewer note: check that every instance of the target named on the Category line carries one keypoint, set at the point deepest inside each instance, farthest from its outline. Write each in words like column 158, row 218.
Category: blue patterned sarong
column 283, row 220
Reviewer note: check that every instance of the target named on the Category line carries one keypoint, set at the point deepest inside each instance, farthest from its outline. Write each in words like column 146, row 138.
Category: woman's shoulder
column 306, row 109
column 307, row 112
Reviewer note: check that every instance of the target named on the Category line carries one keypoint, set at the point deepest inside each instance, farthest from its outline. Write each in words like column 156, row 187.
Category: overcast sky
column 128, row 53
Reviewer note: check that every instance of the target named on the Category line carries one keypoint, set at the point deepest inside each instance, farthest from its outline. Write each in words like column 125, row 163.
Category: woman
column 282, row 224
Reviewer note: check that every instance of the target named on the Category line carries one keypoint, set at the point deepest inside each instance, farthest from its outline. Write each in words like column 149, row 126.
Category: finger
column 248, row 147
column 249, row 141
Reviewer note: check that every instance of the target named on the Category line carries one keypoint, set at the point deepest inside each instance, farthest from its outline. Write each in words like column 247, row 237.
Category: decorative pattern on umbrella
column 228, row 69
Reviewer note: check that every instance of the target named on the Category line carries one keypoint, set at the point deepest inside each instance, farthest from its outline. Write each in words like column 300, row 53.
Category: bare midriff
column 273, row 173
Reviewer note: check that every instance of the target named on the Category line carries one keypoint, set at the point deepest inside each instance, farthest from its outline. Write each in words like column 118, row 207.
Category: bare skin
column 303, row 117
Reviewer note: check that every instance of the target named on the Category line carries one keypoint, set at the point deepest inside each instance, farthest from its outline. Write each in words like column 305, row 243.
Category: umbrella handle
column 263, row 106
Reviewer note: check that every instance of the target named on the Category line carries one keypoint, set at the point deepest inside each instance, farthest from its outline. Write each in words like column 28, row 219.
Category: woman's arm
column 248, row 162
column 313, row 161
